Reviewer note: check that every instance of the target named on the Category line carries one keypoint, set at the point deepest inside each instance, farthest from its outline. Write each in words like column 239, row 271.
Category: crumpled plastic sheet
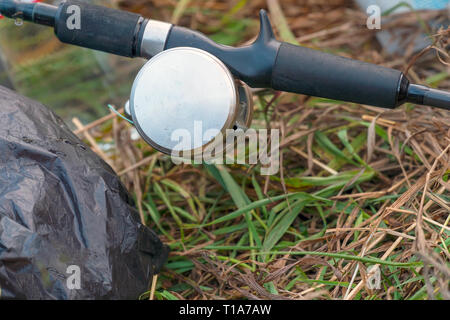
column 68, row 227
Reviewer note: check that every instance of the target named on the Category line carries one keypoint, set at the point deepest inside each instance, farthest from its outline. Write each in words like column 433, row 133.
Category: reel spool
column 188, row 94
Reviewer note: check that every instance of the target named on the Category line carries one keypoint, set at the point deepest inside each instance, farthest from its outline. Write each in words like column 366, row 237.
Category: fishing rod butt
column 266, row 63
column 99, row 28
column 84, row 24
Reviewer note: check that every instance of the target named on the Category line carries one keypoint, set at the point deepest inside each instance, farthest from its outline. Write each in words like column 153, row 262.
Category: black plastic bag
column 68, row 228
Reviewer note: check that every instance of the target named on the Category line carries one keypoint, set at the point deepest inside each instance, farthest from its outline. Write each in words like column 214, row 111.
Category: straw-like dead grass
column 381, row 177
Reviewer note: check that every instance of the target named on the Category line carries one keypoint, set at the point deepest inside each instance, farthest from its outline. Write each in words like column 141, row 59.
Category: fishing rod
column 178, row 56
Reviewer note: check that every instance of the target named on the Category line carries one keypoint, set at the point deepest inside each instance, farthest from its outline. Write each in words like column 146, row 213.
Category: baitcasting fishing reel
column 185, row 99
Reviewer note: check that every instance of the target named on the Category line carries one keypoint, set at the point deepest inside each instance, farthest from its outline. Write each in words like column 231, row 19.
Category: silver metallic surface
column 127, row 108
column 154, row 38
column 183, row 92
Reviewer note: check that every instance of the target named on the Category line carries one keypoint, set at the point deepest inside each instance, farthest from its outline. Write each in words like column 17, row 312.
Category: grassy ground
column 360, row 188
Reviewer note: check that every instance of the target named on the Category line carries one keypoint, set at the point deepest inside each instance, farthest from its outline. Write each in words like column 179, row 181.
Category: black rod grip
column 315, row 73
column 39, row 13
column 99, row 28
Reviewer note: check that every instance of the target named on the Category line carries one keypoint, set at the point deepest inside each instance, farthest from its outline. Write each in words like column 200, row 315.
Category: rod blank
column 428, row 96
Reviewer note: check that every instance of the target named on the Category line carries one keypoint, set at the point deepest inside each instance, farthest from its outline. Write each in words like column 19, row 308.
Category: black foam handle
column 99, row 28
column 311, row 72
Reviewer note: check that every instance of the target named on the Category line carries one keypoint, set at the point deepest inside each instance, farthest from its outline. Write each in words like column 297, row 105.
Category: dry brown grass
column 392, row 212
